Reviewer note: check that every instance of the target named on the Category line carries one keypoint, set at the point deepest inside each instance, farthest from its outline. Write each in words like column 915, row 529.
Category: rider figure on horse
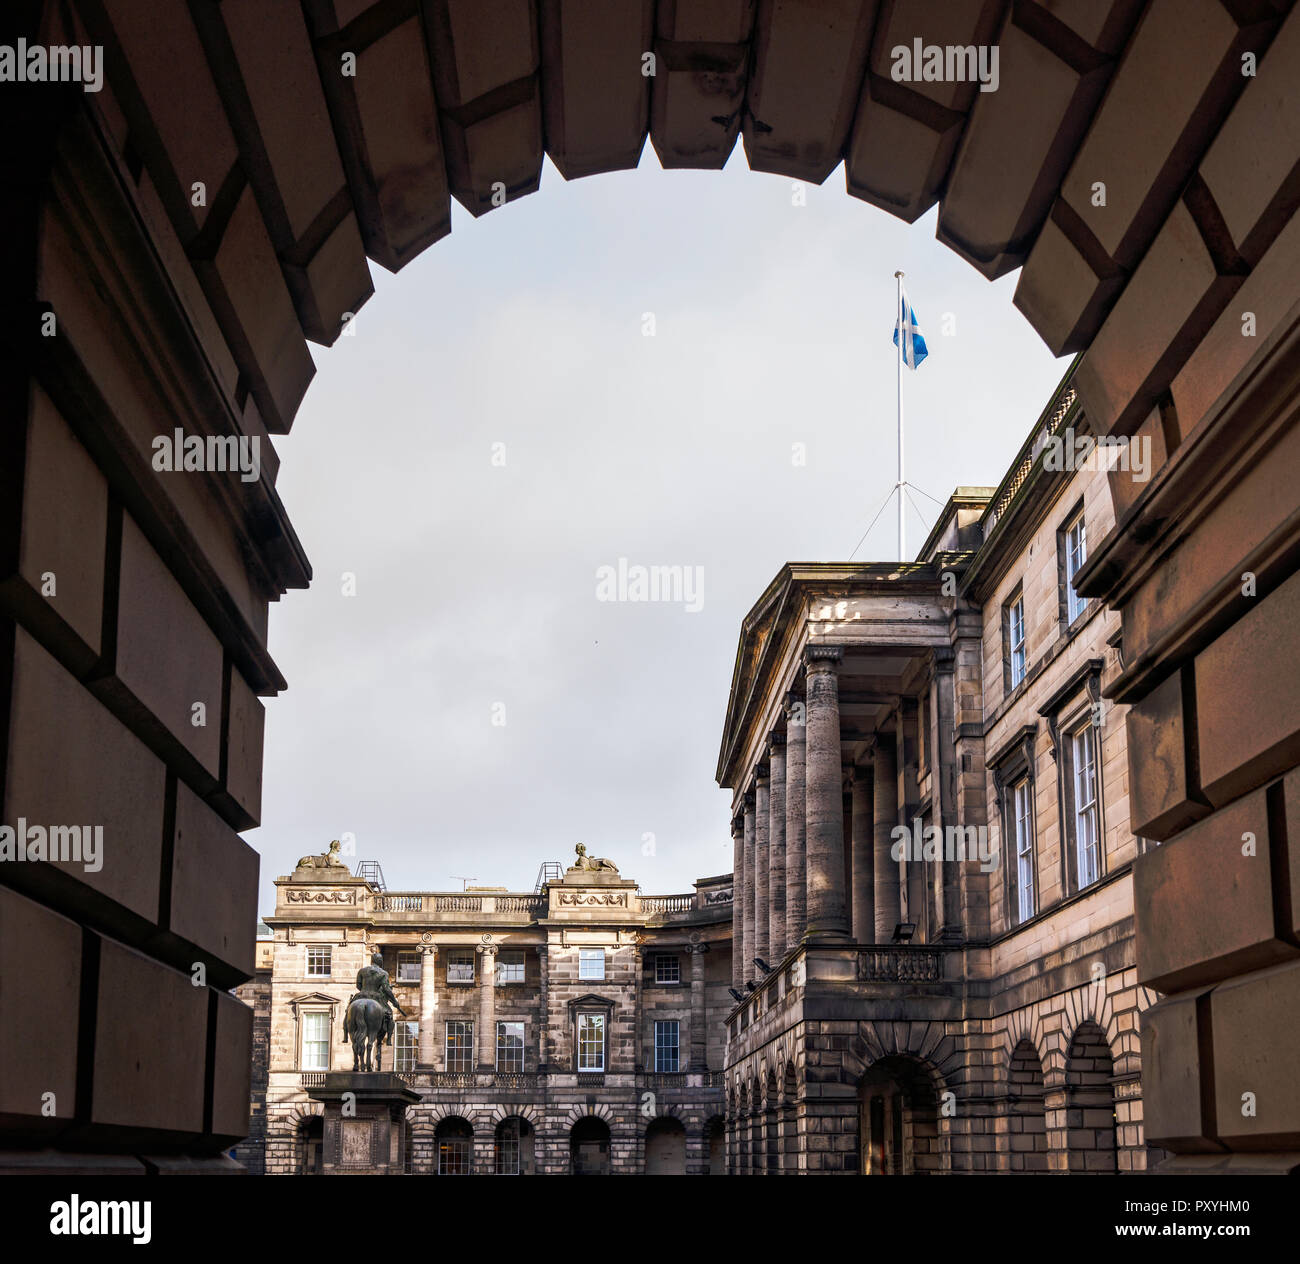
column 373, row 985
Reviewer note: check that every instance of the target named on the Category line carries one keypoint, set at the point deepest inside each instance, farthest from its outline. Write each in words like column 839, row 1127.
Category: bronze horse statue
column 366, row 1025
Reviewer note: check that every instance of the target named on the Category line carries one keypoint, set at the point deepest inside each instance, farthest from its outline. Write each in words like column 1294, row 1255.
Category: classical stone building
column 1136, row 163
column 933, row 849
column 256, row 994
column 575, row 1029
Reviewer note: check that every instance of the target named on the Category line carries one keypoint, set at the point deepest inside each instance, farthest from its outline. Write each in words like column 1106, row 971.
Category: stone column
column 885, row 791
column 747, row 894
column 796, row 872
column 909, row 872
column 487, row 1008
column 762, row 857
column 864, row 836
column 738, row 903
column 827, row 910
column 641, row 1040
column 543, row 1020
column 699, row 1017
column 776, row 848
column 943, row 708
column 427, row 1043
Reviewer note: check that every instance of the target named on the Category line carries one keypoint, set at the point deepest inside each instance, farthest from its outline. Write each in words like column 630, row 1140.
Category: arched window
column 454, row 1140
column 514, row 1147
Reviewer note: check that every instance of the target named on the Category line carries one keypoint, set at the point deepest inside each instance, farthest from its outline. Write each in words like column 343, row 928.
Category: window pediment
column 591, row 1001
column 313, row 999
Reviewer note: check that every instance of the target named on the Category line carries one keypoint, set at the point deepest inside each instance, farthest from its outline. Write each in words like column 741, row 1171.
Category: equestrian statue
column 369, row 1021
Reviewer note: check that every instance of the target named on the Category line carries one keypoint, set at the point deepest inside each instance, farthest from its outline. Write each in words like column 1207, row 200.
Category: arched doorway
column 715, row 1134
column 311, row 1136
column 665, row 1147
column 1090, row 1102
column 1026, row 1115
column 771, row 1139
column 514, row 1149
column 789, row 1120
column 454, row 1146
column 589, row 1147
column 898, row 1120
column 743, row 1125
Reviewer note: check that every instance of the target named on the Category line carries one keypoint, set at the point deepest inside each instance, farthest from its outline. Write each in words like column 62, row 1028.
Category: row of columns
column 793, row 877
column 695, row 1057
column 790, row 830
column 426, row 1039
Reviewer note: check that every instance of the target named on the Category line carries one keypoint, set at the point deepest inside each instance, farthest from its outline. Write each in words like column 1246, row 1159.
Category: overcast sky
column 474, row 709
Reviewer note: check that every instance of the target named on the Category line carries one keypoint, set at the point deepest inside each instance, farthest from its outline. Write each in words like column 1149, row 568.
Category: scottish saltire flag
column 914, row 349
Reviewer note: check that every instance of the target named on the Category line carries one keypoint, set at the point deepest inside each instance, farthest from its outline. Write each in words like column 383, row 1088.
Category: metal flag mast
column 901, row 486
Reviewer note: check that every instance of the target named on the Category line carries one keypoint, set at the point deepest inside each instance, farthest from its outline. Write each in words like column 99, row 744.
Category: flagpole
column 898, row 308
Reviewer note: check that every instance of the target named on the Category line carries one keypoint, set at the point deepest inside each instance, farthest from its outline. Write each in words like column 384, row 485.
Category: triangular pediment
column 591, row 998
column 314, row 998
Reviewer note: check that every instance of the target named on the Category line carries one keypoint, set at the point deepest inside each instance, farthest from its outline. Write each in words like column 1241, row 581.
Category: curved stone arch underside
column 1023, row 1027
column 428, row 1119
column 303, row 1113
column 673, row 1110
column 925, row 1043
column 336, row 163
column 525, row 1110
column 1092, row 1004
column 601, row 1110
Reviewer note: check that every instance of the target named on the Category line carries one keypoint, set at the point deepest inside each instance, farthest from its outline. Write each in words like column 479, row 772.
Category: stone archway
column 898, row 1119
column 715, row 1146
column 175, row 240
column 311, row 1140
column 514, row 1147
column 1026, row 1111
column 1090, row 1103
column 589, row 1142
column 665, row 1147
column 453, row 1146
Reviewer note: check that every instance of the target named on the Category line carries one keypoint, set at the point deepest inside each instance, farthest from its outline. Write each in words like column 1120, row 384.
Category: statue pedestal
column 365, row 1118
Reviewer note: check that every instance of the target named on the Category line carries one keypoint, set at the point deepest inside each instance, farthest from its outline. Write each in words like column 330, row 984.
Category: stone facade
column 585, row 961
column 972, row 1003
column 256, row 994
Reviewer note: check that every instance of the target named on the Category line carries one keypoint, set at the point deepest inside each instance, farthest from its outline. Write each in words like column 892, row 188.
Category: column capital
column 429, row 950
column 748, row 798
column 488, row 950
column 945, row 658
column 762, row 772
column 860, row 775
column 822, row 658
column 738, row 826
column 796, row 714
column 775, row 743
